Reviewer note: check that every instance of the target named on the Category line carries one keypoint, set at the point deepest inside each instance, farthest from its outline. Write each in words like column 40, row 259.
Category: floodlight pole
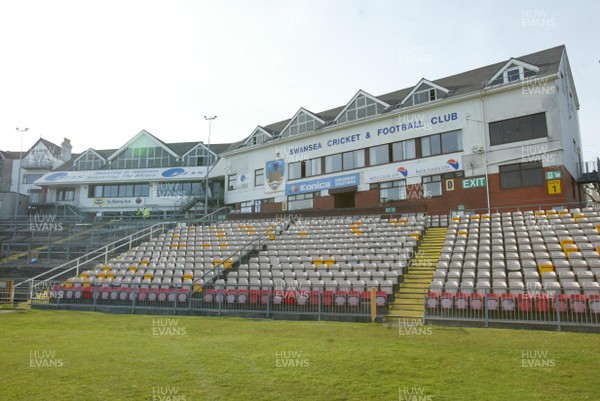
column 209, row 119
column 22, row 131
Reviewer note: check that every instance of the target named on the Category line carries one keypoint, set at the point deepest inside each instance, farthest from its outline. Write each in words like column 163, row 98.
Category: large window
column 432, row 186
column 305, row 168
column 379, row 154
column 186, row 188
column 119, row 191
column 333, row 163
column 259, row 177
column 439, row 144
column 89, row 161
column 301, row 201
column 143, row 157
column 231, row 182
column 354, row 159
column 65, row 194
column 362, row 107
column 518, row 129
column 424, row 96
column 392, row 191
column 30, row 178
column 521, row 175
column 404, row 150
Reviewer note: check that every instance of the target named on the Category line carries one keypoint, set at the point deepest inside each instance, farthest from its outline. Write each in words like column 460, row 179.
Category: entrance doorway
column 344, row 200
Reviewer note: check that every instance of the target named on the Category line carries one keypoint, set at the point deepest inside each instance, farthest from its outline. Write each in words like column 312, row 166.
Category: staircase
column 408, row 301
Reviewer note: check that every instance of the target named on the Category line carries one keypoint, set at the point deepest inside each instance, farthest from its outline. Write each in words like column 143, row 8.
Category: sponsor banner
column 274, row 176
column 402, row 170
column 133, row 175
column 347, row 180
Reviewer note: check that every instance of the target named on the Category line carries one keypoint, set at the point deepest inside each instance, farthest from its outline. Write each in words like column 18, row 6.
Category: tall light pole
column 22, row 131
column 209, row 119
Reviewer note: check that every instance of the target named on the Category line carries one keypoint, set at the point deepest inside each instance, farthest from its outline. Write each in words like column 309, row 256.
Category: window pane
column 539, row 125
column 510, row 180
column 532, row 177
column 410, row 149
column 432, row 189
column 425, row 146
column 313, row 167
column 295, row 170
column 451, row 142
column 397, row 152
column 379, row 155
column 436, row 146
column 525, row 128
column 333, row 163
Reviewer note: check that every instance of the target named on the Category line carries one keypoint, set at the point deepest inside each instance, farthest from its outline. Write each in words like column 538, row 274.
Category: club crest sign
column 275, row 174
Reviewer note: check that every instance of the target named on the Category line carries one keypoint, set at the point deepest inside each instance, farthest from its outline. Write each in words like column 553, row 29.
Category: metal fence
column 540, row 308
column 255, row 301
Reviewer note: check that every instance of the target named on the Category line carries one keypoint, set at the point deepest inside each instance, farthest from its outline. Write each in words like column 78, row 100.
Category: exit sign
column 477, row 182
column 553, row 175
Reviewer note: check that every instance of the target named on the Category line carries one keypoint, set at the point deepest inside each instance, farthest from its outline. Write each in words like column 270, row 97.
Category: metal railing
column 265, row 301
column 539, row 308
column 101, row 254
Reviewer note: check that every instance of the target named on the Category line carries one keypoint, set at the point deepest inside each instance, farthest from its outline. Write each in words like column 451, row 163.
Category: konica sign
column 399, row 171
column 322, row 184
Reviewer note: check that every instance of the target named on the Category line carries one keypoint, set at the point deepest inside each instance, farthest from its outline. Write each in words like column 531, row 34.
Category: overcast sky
column 98, row 72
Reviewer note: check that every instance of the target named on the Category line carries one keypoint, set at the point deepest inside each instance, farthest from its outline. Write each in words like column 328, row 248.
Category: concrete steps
column 408, row 301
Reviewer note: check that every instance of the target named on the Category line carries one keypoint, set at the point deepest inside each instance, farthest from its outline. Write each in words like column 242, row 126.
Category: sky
column 98, row 72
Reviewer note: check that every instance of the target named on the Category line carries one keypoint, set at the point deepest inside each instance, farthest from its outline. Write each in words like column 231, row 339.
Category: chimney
column 65, row 150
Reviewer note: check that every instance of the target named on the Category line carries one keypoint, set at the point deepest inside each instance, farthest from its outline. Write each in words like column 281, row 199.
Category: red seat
column 524, row 302
column 433, row 300
column 508, row 302
column 493, row 302
column 476, row 301
column 182, row 295
column 289, row 297
column 302, row 298
column 578, row 303
column 209, row 295
column 314, row 297
column 264, row 298
column 561, row 303
column 354, row 298
column 142, row 294
column 242, row 296
column 327, row 298
column 594, row 303
column 278, row 296
column 381, row 298
column 253, row 296
column 542, row 303
column 447, row 300
column 341, row 298
column 461, row 301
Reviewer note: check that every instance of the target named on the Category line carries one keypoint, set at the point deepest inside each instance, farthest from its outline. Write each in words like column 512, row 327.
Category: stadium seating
column 522, row 258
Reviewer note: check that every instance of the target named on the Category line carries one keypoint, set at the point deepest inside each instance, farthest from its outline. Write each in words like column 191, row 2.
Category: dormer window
column 513, row 71
column 361, row 106
column 424, row 96
column 302, row 122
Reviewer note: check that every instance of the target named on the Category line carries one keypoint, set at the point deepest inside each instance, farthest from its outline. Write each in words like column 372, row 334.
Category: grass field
column 65, row 355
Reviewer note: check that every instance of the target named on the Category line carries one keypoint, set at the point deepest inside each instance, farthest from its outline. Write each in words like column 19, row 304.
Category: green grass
column 117, row 357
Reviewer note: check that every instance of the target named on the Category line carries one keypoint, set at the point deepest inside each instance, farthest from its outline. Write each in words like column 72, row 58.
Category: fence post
column 94, row 296
column 106, row 254
column 373, row 304
column 77, row 270
column 557, row 308
column 424, row 306
column 268, row 302
column 485, row 307
column 320, row 303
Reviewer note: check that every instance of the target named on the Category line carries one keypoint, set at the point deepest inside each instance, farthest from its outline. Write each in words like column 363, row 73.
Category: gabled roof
column 302, row 110
column 258, row 130
column 422, row 82
column 89, row 150
column 53, row 148
column 360, row 93
column 511, row 62
column 143, row 133
column 546, row 61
